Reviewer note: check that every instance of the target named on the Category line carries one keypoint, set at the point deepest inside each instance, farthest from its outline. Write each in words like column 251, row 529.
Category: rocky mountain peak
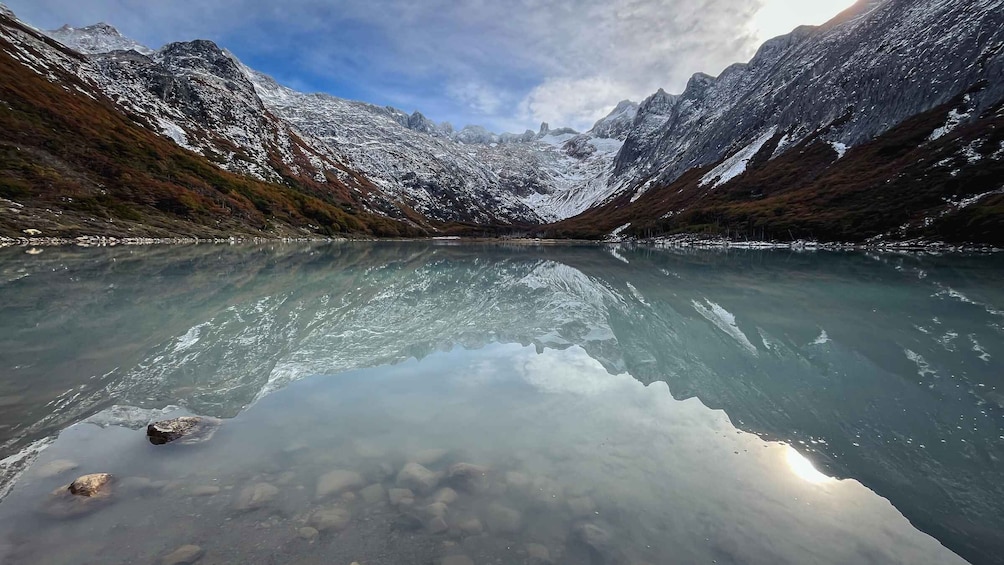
column 617, row 124
column 5, row 11
column 97, row 38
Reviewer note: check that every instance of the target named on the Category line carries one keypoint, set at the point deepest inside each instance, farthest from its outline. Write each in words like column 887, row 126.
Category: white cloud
column 575, row 102
column 505, row 64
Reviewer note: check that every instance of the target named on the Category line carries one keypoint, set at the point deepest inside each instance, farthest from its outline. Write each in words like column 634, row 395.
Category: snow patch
column 736, row 164
column 954, row 119
column 840, row 148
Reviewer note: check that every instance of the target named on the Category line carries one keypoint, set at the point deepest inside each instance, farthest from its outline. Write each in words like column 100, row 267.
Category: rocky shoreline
column 682, row 241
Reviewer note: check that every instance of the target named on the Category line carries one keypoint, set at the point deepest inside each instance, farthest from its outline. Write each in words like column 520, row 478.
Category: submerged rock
column 417, row 478
column 307, row 533
column 437, row 525
column 468, row 477
column 187, row 430
column 84, row 495
column 456, row 560
column 338, row 481
column 205, row 490
column 598, row 541
column 373, row 494
column 401, row 497
column 330, row 519
column 445, row 495
column 471, row 526
column 255, row 496
column 538, row 553
column 503, row 520
column 55, row 468
column 183, row 555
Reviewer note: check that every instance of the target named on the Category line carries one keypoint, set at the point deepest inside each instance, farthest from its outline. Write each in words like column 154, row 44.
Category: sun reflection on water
column 804, row 469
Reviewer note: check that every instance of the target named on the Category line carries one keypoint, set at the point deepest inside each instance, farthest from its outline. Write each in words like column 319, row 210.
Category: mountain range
column 884, row 124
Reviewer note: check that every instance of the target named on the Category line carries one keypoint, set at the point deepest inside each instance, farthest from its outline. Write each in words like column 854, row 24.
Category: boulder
column 95, row 485
column 186, row 430
column 337, row 482
column 84, row 495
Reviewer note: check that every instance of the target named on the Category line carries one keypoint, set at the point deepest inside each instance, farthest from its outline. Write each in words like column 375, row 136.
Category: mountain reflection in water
column 884, row 369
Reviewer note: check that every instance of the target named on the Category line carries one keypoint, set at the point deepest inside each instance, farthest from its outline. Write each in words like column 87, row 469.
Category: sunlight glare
column 778, row 17
column 804, row 469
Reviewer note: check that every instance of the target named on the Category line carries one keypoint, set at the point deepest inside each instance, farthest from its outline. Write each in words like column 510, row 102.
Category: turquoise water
column 622, row 405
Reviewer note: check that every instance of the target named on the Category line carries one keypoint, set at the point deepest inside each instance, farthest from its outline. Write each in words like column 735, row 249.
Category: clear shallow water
column 680, row 403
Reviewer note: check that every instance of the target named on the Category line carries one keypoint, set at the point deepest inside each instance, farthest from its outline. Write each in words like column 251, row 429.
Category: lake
column 459, row 403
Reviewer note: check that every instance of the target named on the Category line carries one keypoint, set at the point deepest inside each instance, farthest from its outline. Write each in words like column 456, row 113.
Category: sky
column 505, row 64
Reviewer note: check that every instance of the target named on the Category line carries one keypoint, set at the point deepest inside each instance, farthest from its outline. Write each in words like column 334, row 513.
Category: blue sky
column 507, row 65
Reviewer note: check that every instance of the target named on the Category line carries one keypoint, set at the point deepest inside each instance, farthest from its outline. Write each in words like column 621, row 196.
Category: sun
column 778, row 17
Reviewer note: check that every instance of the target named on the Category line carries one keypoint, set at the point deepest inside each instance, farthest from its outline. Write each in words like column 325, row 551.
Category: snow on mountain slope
column 875, row 65
column 97, row 38
column 469, row 176
column 207, row 101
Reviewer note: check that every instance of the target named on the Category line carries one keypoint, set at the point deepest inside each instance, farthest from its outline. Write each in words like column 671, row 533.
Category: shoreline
column 687, row 241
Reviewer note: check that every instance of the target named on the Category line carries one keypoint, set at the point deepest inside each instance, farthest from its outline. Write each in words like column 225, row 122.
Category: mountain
column 209, row 102
column 97, row 38
column 834, row 120
column 74, row 162
column 883, row 124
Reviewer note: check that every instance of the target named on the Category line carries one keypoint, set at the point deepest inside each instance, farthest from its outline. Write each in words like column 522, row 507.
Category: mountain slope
column 72, row 163
column 874, row 66
column 911, row 182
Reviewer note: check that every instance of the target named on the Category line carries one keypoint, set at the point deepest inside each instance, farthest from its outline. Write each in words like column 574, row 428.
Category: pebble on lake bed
column 330, row 519
column 468, row 477
column 337, row 482
column 503, row 520
column 401, row 497
column 255, row 496
column 184, row 555
column 417, row 478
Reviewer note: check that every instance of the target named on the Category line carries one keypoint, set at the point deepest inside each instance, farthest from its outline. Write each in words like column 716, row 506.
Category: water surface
column 627, row 405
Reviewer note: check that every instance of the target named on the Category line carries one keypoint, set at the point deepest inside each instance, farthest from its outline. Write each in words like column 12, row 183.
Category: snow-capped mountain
column 843, row 84
column 207, row 101
column 97, row 38
column 869, row 69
